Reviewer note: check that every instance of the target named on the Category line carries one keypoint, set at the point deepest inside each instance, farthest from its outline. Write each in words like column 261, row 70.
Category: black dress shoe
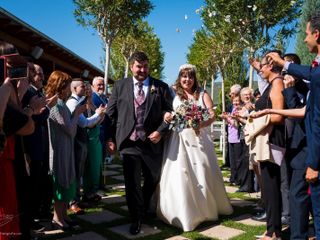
column 242, row 190
column 135, row 227
column 262, row 217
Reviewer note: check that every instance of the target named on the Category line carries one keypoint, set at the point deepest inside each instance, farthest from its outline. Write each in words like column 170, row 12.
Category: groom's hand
column 311, row 175
column 155, row 137
column 111, row 147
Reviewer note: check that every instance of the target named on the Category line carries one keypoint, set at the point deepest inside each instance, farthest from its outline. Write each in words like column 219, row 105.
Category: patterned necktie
column 141, row 96
column 139, row 107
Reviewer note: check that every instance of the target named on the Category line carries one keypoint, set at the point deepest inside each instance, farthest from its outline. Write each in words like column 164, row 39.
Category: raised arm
column 277, row 100
column 293, row 113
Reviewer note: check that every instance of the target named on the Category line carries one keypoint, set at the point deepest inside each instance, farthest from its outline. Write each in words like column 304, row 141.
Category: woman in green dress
column 92, row 171
column 62, row 129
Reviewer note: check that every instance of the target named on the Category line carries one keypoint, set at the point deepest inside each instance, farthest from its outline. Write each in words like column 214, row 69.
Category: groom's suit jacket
column 312, row 117
column 122, row 112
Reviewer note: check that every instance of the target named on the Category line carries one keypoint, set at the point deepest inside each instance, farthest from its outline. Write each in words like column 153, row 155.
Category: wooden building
column 31, row 42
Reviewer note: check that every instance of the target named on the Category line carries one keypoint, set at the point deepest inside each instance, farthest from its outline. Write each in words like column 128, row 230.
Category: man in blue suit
column 312, row 114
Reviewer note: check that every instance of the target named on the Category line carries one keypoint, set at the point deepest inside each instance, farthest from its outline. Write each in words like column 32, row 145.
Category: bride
column 191, row 185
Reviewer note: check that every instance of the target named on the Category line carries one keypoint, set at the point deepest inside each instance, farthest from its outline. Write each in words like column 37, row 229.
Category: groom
column 136, row 110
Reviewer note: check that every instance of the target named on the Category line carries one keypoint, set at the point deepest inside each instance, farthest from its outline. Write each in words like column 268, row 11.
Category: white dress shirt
column 145, row 86
column 83, row 121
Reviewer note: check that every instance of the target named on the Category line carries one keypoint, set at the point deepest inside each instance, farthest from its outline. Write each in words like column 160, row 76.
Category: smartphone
column 13, row 66
column 18, row 72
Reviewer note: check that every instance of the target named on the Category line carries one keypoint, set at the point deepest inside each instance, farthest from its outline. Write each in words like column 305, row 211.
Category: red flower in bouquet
column 189, row 115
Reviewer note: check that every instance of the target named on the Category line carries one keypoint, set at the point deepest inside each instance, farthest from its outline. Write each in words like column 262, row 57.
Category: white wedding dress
column 191, row 185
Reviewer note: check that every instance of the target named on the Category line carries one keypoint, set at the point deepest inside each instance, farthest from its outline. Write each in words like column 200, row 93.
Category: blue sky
column 55, row 19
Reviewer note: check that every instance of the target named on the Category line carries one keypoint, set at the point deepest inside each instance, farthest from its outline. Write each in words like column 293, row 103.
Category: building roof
column 54, row 57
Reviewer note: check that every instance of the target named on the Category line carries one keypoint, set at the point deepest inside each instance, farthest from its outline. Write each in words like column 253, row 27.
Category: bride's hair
column 190, row 71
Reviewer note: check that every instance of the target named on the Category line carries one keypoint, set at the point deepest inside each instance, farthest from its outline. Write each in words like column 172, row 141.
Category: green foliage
column 110, row 17
column 308, row 8
column 139, row 38
column 200, row 55
column 229, row 37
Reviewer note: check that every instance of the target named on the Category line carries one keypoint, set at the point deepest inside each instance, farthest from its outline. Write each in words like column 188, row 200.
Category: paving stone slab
column 230, row 189
column 255, row 195
column 85, row 236
column 113, row 199
column 118, row 186
column 100, row 217
column 112, row 166
column 110, row 173
column 246, row 219
column 221, row 232
column 241, row 203
column 120, row 177
column 124, row 208
column 177, row 238
column 226, row 179
column 146, row 230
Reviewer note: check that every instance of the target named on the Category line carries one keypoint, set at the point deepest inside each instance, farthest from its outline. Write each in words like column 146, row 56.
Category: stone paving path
column 109, row 219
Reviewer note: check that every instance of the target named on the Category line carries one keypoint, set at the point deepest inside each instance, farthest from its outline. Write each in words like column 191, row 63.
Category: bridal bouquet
column 189, row 115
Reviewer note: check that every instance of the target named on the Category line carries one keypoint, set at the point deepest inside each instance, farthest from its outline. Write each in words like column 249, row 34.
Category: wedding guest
column 62, row 130
column 91, row 176
column 191, row 187
column 13, row 121
column 78, row 97
column 295, row 94
column 270, row 168
column 245, row 170
column 37, row 148
column 234, row 91
column 235, row 146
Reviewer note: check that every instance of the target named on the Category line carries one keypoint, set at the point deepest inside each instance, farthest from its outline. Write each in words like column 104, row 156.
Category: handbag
column 277, row 153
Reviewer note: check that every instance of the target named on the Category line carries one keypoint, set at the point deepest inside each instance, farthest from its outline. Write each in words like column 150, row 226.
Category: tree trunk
column 212, row 86
column 127, row 69
column 106, row 68
column 250, row 77
column 224, row 121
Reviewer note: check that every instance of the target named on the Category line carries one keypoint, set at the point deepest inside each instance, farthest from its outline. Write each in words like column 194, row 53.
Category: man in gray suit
column 136, row 110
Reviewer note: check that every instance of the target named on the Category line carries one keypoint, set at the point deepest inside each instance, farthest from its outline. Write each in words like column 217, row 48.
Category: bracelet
column 30, row 108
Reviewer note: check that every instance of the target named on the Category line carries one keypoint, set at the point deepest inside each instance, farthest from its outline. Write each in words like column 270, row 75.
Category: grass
column 167, row 231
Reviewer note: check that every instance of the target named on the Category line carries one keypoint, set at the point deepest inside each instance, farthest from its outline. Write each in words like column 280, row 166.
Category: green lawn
column 166, row 230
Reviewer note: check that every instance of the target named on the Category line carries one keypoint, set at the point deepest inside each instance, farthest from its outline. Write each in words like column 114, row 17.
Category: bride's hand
column 167, row 117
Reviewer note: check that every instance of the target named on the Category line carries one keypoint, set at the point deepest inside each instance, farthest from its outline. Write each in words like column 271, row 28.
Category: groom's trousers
column 136, row 157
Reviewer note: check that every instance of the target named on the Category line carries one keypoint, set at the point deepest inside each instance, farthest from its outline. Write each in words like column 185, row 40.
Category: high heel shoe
column 57, row 226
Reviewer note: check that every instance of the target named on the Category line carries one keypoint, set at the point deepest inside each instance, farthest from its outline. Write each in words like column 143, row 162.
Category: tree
column 232, row 34
column 308, row 8
column 110, row 18
column 200, row 56
column 139, row 38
